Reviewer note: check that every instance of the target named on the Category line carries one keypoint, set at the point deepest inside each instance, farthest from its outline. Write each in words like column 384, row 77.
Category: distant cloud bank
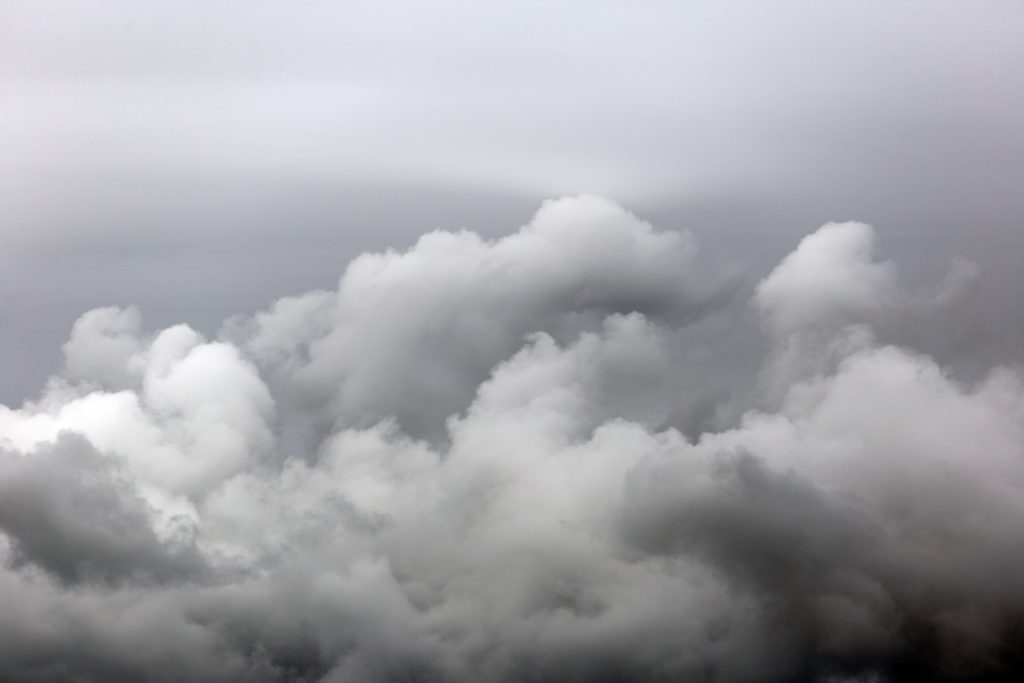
column 512, row 460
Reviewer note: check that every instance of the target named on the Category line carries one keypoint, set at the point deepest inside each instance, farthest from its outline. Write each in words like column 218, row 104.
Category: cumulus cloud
column 465, row 464
column 829, row 276
column 411, row 335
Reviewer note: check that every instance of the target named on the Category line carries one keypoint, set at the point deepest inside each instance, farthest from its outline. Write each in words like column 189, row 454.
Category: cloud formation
column 467, row 463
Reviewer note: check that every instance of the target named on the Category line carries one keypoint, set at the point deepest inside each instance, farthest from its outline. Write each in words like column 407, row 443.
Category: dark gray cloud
column 464, row 463
column 74, row 514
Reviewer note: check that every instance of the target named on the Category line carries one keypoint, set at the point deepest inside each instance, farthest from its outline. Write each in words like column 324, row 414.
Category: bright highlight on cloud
column 478, row 460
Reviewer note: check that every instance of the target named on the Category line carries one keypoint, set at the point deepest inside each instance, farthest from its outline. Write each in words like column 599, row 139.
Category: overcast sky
column 200, row 158
column 273, row 269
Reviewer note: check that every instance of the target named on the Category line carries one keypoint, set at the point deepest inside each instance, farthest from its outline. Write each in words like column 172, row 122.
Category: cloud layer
column 511, row 460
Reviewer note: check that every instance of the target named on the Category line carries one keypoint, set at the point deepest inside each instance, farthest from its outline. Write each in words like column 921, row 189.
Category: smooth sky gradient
column 200, row 158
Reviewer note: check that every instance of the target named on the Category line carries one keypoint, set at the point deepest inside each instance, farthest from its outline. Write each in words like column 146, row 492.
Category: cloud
column 461, row 465
column 67, row 510
column 830, row 276
column 411, row 335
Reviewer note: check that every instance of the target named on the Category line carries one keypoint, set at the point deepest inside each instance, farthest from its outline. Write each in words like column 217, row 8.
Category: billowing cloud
column 829, row 276
column 467, row 463
column 411, row 335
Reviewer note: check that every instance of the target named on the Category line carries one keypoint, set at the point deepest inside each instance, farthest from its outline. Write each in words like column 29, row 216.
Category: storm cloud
column 511, row 342
column 468, row 462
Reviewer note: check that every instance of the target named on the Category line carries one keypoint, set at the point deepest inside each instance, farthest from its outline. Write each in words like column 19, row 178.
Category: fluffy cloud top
column 830, row 276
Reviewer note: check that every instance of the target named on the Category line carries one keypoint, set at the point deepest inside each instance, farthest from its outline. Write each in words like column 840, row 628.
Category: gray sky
column 452, row 341
column 200, row 158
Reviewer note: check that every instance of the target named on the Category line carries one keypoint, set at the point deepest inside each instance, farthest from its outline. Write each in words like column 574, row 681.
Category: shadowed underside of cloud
column 460, row 465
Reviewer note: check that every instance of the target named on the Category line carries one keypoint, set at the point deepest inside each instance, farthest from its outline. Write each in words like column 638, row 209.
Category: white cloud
column 829, row 278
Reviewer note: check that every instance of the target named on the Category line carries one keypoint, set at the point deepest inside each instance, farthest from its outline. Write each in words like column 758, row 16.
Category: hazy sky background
column 201, row 158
